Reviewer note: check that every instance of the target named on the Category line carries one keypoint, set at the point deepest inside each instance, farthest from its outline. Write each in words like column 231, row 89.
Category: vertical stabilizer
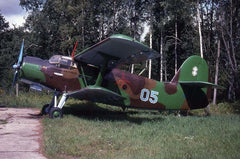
column 194, row 68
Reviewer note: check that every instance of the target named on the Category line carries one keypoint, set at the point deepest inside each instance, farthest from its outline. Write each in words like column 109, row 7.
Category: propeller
column 18, row 64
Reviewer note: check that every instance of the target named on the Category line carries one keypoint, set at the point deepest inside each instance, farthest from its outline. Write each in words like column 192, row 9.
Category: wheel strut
column 56, row 109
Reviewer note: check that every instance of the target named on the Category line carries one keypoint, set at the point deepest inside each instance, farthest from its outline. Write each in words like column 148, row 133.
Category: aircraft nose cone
column 15, row 66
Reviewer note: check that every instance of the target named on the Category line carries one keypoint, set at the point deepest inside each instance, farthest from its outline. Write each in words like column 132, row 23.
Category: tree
column 10, row 43
column 199, row 29
column 217, row 70
column 53, row 26
column 229, row 12
column 174, row 34
column 3, row 24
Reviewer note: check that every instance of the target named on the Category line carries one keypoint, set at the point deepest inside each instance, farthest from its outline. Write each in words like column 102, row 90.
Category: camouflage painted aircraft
column 93, row 75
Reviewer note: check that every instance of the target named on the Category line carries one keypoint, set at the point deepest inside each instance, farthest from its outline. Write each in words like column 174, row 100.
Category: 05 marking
column 149, row 95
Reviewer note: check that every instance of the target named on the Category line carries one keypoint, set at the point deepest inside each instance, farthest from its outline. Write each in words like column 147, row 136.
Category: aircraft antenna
column 74, row 50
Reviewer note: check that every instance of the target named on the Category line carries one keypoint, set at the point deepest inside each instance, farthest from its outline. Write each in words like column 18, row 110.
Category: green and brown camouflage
column 184, row 91
column 93, row 75
column 58, row 75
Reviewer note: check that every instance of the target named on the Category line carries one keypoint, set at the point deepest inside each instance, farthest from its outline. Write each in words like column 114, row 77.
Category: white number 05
column 151, row 96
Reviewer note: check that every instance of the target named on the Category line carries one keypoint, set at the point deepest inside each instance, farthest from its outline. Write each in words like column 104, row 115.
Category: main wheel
column 55, row 112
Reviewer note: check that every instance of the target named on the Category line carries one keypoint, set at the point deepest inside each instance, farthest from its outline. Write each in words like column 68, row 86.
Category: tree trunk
column 114, row 16
column 150, row 61
column 161, row 62
column 83, row 30
column 176, row 43
column 227, row 37
column 199, row 29
column 165, row 71
column 17, row 89
column 101, row 31
column 207, row 109
column 216, row 74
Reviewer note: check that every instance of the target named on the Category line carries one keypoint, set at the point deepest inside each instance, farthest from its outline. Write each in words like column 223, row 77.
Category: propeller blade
column 20, row 54
column 15, row 78
column 17, row 66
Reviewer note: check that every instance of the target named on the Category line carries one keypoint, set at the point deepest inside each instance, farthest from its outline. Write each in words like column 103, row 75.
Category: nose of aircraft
column 31, row 69
column 17, row 66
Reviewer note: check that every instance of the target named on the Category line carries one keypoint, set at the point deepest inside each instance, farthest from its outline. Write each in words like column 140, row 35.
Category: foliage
column 53, row 26
column 9, row 49
column 3, row 24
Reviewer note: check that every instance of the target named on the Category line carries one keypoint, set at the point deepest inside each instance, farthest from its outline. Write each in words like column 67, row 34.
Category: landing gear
column 55, row 112
column 54, row 109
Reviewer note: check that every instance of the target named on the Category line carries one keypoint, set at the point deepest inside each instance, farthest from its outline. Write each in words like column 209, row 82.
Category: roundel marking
column 194, row 71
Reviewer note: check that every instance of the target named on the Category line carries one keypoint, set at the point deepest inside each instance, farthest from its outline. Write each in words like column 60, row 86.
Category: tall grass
column 25, row 99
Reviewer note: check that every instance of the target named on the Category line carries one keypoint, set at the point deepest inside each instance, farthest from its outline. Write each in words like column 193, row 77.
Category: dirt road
column 20, row 134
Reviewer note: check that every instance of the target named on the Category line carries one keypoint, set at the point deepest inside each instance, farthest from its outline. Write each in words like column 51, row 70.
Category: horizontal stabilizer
column 200, row 84
column 98, row 94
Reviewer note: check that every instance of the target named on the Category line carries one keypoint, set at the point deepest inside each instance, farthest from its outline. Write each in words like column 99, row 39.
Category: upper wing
column 119, row 49
column 98, row 94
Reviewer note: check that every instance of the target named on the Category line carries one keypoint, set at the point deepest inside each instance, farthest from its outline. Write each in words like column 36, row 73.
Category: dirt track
column 20, row 134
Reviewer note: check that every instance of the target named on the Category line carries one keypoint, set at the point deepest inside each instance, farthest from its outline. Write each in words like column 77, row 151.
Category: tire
column 45, row 109
column 55, row 112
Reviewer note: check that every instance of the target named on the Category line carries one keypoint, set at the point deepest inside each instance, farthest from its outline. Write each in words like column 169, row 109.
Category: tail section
column 193, row 76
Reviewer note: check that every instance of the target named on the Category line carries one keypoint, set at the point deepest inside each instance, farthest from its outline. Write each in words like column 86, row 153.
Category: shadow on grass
column 92, row 111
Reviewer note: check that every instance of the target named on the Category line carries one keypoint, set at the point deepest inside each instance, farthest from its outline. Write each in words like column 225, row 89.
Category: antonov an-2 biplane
column 93, row 75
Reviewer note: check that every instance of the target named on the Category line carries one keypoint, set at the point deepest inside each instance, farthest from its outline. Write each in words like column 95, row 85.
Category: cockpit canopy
column 62, row 61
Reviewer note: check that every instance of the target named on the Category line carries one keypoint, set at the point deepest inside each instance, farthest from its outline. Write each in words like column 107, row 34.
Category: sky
column 12, row 12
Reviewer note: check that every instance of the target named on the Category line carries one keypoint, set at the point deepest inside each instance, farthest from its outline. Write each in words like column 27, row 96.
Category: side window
column 65, row 63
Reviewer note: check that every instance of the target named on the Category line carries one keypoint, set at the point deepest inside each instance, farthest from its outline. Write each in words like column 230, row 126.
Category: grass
column 100, row 131
column 25, row 100
column 142, row 135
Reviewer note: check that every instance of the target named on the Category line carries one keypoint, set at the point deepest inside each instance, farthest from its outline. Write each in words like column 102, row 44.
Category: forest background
column 177, row 30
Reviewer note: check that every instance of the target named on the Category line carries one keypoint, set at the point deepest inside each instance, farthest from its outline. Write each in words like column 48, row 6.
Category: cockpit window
column 55, row 59
column 62, row 61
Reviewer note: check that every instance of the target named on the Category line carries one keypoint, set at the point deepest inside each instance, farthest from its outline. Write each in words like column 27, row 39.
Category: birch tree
column 199, row 29
column 216, row 72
